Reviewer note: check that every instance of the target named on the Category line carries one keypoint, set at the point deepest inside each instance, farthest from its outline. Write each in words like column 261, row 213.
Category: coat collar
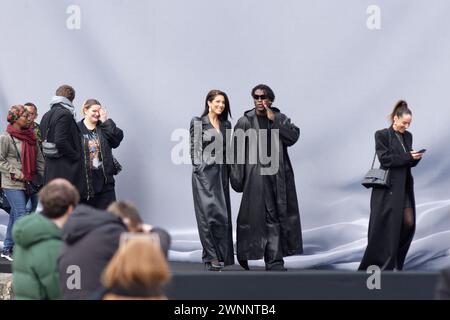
column 206, row 122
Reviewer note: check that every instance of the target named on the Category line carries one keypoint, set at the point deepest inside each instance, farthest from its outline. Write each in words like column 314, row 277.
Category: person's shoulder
column 5, row 137
column 59, row 109
column 408, row 134
column 195, row 119
column 384, row 131
column 247, row 116
column 242, row 122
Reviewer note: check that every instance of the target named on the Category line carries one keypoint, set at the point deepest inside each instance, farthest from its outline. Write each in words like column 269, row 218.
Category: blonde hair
column 138, row 263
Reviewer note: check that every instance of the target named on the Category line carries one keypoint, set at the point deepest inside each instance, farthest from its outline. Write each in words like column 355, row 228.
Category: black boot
column 244, row 264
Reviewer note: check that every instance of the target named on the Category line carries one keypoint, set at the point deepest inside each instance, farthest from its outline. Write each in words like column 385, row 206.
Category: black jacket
column 63, row 131
column 91, row 238
column 211, row 192
column 110, row 138
column 384, row 247
column 251, row 229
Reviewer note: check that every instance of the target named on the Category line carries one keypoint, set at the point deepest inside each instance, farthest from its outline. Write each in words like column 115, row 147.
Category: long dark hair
column 400, row 109
column 210, row 97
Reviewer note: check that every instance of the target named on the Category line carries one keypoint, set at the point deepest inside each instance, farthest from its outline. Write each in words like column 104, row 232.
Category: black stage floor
column 191, row 282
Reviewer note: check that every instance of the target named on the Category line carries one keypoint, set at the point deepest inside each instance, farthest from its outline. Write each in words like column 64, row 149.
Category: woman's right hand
column 17, row 177
column 416, row 155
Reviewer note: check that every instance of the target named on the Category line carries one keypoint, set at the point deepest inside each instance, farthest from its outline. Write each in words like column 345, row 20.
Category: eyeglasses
column 262, row 97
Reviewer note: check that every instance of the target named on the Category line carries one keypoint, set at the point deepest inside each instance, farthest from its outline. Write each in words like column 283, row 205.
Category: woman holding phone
column 393, row 211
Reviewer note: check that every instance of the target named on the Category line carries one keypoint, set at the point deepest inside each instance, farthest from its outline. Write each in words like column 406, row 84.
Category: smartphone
column 422, row 151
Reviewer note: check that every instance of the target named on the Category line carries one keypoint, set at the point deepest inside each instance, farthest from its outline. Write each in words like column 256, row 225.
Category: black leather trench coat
column 251, row 226
column 210, row 187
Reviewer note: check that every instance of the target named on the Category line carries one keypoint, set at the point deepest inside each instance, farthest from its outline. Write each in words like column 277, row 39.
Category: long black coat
column 211, row 191
column 384, row 247
column 246, row 178
column 63, row 131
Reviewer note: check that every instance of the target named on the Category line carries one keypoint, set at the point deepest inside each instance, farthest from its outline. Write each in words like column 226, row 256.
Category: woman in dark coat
column 393, row 214
column 210, row 181
column 99, row 135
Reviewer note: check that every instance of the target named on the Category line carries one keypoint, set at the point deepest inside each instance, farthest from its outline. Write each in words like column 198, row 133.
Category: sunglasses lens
column 262, row 97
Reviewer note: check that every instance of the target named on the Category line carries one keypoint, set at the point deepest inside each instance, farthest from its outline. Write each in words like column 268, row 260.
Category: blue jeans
column 18, row 201
column 32, row 203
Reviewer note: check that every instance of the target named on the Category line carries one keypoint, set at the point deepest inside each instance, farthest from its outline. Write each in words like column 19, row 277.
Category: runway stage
column 191, row 282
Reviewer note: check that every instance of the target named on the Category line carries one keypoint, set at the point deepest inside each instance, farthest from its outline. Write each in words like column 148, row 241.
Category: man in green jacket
column 37, row 239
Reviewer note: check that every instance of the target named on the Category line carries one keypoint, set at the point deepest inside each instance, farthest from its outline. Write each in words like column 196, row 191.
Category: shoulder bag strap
column 17, row 150
column 49, row 125
column 375, row 155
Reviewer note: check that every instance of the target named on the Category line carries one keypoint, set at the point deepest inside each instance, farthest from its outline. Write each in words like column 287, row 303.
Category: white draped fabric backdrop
column 337, row 69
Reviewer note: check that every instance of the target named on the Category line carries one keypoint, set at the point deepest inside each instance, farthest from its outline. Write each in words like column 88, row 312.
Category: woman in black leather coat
column 210, row 181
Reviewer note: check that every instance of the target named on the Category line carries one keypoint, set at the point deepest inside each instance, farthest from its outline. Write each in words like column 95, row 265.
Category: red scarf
column 29, row 150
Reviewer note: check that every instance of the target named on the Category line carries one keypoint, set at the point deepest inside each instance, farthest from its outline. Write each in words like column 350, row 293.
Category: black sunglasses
column 262, row 97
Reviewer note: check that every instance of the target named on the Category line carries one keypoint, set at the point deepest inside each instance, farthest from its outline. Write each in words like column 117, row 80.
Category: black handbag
column 117, row 167
column 49, row 149
column 376, row 178
column 32, row 188
column 4, row 203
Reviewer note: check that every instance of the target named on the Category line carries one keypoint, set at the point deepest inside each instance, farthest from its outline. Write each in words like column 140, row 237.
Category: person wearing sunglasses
column 21, row 160
column 268, row 224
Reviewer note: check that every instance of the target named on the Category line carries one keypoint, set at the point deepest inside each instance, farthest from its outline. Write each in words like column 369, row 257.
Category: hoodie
column 37, row 247
column 91, row 238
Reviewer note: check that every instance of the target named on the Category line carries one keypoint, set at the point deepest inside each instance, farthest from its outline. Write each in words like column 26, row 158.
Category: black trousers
column 102, row 199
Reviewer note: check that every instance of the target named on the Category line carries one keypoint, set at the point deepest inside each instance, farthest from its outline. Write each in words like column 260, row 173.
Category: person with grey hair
column 59, row 127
